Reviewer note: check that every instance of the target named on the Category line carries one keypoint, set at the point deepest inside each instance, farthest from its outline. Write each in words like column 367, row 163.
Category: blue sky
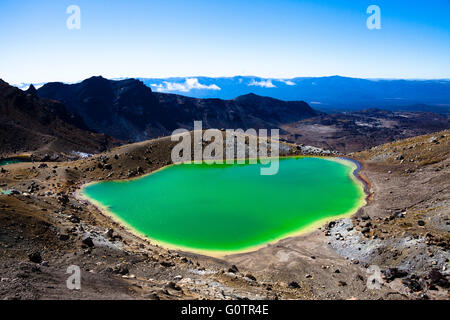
column 268, row 38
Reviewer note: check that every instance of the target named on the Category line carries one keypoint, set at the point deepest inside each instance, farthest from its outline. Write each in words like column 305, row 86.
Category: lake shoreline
column 348, row 162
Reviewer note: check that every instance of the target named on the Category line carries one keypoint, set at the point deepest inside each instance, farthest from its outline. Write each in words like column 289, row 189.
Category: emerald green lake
column 230, row 207
column 9, row 161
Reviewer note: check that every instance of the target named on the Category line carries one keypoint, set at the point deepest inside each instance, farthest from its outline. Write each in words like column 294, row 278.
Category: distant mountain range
column 130, row 110
column 323, row 93
column 332, row 93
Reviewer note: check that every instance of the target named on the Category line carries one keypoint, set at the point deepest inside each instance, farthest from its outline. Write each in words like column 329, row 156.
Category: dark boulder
column 412, row 284
column 167, row 264
column 172, row 285
column 250, row 276
column 233, row 269
column 35, row 257
column 393, row 273
column 63, row 237
column 437, row 278
column 88, row 242
column 63, row 198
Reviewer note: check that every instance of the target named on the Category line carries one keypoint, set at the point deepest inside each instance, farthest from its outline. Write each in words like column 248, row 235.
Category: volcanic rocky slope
column 129, row 110
column 31, row 124
column 359, row 130
column 403, row 231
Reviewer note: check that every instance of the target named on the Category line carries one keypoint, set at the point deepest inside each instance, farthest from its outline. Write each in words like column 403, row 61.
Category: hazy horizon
column 25, row 85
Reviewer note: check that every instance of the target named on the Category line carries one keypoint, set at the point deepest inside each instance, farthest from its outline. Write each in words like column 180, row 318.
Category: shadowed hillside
column 129, row 110
column 28, row 123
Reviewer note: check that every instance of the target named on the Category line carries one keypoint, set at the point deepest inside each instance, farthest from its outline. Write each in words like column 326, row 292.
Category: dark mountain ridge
column 129, row 110
column 29, row 123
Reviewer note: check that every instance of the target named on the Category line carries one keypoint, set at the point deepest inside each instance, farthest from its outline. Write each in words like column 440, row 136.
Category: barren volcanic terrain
column 403, row 231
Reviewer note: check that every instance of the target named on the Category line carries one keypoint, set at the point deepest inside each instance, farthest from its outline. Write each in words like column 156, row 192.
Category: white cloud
column 25, row 86
column 186, row 86
column 288, row 82
column 263, row 83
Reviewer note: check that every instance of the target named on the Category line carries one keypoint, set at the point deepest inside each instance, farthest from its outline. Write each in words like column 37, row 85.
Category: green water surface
column 230, row 207
column 9, row 161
